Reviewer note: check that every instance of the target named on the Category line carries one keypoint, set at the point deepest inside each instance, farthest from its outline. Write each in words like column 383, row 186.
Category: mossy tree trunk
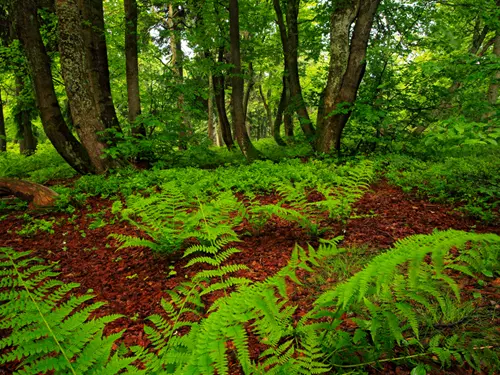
column 175, row 20
column 283, row 116
column 84, row 111
column 248, row 93
column 211, row 130
column 220, row 103
column 289, row 33
column 23, row 116
column 25, row 12
column 238, row 115
column 287, row 112
column 97, row 60
column 269, row 116
column 28, row 143
column 495, row 80
column 132, row 67
column 346, row 69
column 3, row 135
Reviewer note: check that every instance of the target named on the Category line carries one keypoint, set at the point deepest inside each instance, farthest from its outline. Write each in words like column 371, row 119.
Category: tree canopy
column 113, row 82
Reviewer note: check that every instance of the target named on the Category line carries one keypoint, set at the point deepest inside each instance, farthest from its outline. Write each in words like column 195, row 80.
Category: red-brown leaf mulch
column 132, row 281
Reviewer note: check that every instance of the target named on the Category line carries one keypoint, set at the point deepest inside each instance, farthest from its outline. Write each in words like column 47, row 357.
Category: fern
column 170, row 218
column 171, row 335
column 389, row 298
column 264, row 305
column 200, row 345
column 49, row 331
column 164, row 217
column 294, row 206
column 398, row 290
column 340, row 199
column 214, row 233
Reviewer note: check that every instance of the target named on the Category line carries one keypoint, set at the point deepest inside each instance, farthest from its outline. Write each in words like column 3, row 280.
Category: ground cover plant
column 249, row 187
column 422, row 304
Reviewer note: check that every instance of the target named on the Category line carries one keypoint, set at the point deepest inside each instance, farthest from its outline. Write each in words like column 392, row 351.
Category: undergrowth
column 400, row 306
column 405, row 306
column 51, row 329
column 471, row 181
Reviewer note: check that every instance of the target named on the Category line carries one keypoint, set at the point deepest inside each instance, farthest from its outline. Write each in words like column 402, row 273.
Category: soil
column 133, row 280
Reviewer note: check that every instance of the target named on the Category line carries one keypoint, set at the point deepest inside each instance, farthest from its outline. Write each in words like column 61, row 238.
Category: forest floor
column 133, row 280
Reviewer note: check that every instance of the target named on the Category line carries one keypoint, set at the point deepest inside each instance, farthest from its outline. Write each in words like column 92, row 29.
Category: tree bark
column 97, row 61
column 3, row 135
column 495, row 82
column 210, row 123
column 279, row 117
column 218, row 133
column 85, row 114
column 175, row 42
column 287, row 114
column 248, row 92
column 177, row 63
column 275, row 132
column 132, row 68
column 39, row 196
column 283, row 114
column 238, row 115
column 27, row 145
column 346, row 70
column 289, row 34
column 39, row 64
column 28, row 142
column 220, row 102
column 288, row 121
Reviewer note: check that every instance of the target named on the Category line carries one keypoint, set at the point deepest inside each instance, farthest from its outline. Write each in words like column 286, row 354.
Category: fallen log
column 38, row 195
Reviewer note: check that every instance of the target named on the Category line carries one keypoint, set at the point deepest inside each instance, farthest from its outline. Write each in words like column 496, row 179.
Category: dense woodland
column 249, row 187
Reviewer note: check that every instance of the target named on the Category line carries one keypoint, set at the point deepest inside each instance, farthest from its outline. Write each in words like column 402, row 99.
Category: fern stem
column 382, row 360
column 181, row 311
column 41, row 315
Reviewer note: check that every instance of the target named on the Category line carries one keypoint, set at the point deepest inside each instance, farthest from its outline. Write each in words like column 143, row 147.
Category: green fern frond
column 310, row 358
column 51, row 331
column 404, row 286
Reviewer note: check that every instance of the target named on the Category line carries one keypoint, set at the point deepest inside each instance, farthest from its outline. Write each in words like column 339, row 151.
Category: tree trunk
column 321, row 110
column 3, row 135
column 246, row 97
column 85, row 114
column 132, row 68
column 220, row 102
column 283, row 115
column 495, row 82
column 177, row 63
column 27, row 145
column 288, row 121
column 238, row 115
column 287, row 114
column 210, row 123
column 218, row 133
column 97, row 60
column 279, row 117
column 346, row 70
column 289, row 34
column 28, row 142
column 175, row 42
column 39, row 64
column 269, row 117
column 39, row 196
